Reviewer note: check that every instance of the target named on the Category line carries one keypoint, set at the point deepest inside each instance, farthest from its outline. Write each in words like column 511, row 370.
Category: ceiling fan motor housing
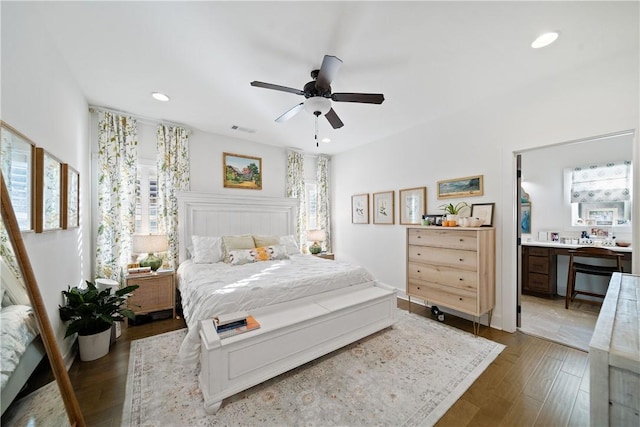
column 310, row 89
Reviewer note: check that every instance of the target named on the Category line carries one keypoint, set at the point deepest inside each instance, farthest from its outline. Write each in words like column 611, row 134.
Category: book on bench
column 230, row 318
column 251, row 324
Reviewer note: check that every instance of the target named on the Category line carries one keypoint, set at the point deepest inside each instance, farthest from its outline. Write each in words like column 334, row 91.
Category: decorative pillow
column 232, row 243
column 206, row 249
column 289, row 243
column 265, row 253
column 241, row 256
column 262, row 241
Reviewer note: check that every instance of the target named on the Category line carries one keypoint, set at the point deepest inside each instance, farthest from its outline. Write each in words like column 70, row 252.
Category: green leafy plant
column 90, row 311
column 452, row 209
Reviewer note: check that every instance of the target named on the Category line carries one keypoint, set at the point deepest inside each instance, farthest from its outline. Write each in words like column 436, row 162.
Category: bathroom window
column 600, row 195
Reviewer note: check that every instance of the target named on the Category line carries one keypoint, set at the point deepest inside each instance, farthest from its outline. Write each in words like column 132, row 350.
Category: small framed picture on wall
column 413, row 204
column 383, row 208
column 360, row 209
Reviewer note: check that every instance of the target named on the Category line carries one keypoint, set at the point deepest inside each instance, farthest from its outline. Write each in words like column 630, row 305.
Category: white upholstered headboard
column 208, row 214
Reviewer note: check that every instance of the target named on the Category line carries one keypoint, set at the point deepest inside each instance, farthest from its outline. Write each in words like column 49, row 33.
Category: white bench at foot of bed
column 290, row 334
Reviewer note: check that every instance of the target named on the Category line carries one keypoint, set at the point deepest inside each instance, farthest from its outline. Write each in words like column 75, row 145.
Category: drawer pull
column 461, row 279
column 418, row 271
column 460, row 299
column 462, row 240
column 419, row 254
column 461, row 260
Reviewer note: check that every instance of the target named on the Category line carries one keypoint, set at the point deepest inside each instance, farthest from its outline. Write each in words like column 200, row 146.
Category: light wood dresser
column 453, row 267
column 614, row 356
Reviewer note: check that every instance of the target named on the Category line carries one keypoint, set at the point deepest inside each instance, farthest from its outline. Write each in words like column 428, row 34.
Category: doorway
column 545, row 204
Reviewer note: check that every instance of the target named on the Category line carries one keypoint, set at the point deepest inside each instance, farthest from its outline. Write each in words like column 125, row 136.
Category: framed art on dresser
column 484, row 211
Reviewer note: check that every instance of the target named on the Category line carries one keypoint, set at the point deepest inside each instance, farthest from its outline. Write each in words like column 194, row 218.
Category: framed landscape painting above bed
column 240, row 171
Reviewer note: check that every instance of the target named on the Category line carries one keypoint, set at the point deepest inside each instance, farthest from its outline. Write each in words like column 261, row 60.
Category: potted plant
column 452, row 211
column 91, row 313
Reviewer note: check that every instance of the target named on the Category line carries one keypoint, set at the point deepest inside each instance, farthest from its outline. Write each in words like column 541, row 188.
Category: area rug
column 43, row 407
column 409, row 374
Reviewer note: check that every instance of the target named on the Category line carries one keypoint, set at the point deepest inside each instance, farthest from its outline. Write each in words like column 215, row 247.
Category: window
column 311, row 194
column 600, row 195
column 16, row 154
column 147, row 199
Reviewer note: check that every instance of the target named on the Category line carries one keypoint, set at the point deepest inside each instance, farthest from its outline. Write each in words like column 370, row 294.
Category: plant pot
column 94, row 346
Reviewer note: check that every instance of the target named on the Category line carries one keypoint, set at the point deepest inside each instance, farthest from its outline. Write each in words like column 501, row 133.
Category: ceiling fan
column 319, row 96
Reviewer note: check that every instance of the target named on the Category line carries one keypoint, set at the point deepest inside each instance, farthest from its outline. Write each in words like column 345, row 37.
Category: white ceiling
column 429, row 59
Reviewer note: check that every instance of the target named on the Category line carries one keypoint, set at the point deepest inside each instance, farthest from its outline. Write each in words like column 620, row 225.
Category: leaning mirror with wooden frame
column 17, row 275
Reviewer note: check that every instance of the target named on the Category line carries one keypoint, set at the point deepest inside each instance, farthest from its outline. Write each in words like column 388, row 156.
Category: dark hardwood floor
column 533, row 382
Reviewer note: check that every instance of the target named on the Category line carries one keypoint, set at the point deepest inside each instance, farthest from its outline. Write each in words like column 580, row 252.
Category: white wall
column 41, row 100
column 543, row 178
column 590, row 101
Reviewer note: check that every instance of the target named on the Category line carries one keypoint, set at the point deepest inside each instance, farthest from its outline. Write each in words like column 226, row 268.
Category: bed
column 306, row 306
column 21, row 348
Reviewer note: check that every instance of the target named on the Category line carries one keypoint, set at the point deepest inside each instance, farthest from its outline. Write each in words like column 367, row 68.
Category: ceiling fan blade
column 367, row 98
column 292, row 112
column 277, row 87
column 328, row 70
column 334, row 119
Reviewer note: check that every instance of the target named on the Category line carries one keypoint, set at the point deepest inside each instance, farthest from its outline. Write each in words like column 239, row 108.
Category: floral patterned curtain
column 295, row 188
column 173, row 176
column 322, row 206
column 117, row 171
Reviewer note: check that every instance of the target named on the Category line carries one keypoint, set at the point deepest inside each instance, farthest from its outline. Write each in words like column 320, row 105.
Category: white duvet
column 19, row 328
column 211, row 289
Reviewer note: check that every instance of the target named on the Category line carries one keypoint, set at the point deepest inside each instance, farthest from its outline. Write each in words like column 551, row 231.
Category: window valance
column 610, row 182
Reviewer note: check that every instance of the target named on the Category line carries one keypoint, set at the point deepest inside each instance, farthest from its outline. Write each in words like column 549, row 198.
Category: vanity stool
column 595, row 270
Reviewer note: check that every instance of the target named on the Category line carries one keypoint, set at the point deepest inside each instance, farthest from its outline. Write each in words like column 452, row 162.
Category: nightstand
column 325, row 255
column 156, row 292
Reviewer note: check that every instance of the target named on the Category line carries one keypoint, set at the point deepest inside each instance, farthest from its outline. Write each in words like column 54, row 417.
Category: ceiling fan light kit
column 318, row 104
column 318, row 94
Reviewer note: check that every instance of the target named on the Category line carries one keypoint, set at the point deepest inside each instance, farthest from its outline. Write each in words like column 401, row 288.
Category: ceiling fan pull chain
column 317, row 114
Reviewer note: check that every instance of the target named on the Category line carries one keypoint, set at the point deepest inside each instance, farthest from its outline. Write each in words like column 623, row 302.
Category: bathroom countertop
column 570, row 246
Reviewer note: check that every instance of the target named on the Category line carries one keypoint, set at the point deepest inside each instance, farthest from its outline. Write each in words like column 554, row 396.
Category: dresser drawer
column 442, row 238
column 539, row 264
column 538, row 283
column 467, row 260
column 455, row 277
column 447, row 296
column 536, row 251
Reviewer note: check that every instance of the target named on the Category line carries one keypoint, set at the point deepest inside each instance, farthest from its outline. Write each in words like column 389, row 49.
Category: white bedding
column 19, row 328
column 211, row 289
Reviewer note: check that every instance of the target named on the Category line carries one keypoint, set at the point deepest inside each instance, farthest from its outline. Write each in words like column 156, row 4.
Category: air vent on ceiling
column 243, row 129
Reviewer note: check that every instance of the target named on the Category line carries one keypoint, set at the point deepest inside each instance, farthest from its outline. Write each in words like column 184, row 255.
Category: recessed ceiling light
column 325, row 140
column 160, row 96
column 544, row 40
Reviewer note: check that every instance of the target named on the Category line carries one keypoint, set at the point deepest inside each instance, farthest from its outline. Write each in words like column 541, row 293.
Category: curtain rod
column 306, row 153
column 143, row 119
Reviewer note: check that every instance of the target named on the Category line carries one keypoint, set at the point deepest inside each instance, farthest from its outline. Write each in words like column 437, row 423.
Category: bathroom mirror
column 14, row 253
